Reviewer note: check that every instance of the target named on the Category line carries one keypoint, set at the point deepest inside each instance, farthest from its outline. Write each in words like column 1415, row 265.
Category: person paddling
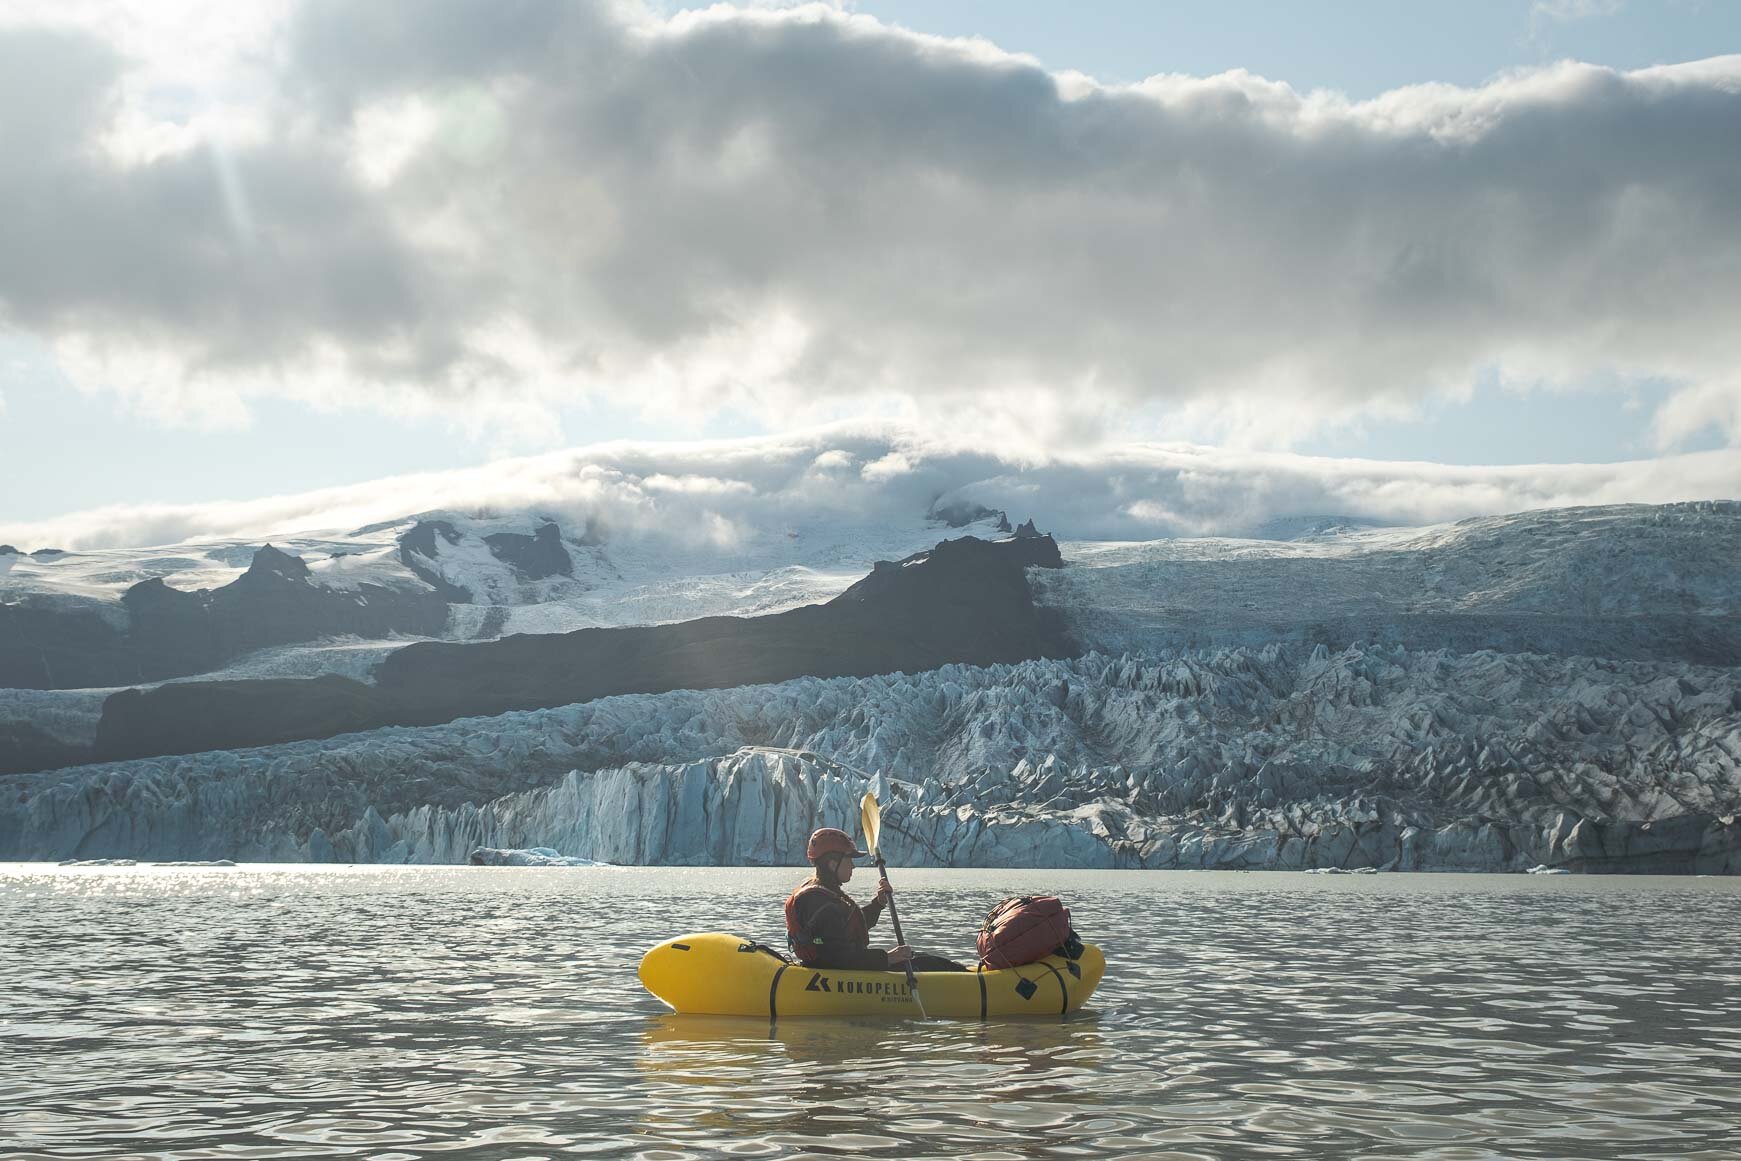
column 826, row 929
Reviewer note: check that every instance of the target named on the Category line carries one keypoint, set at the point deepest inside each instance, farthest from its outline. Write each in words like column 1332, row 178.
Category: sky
column 286, row 246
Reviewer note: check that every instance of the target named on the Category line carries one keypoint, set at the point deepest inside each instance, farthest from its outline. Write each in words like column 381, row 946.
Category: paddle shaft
column 870, row 816
column 895, row 919
column 894, row 916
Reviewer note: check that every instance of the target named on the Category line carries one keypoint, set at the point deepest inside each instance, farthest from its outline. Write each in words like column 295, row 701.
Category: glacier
column 1281, row 756
column 1556, row 690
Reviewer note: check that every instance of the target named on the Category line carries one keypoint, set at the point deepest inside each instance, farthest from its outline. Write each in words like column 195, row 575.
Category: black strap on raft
column 774, row 993
column 774, row 986
column 1063, row 991
column 980, row 972
column 751, row 947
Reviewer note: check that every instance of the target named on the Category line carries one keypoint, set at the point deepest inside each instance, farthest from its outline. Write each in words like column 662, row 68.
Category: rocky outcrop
column 965, row 601
column 26, row 746
column 1259, row 759
column 446, row 557
column 166, row 632
column 419, row 552
column 533, row 557
column 225, row 715
column 961, row 513
column 54, row 648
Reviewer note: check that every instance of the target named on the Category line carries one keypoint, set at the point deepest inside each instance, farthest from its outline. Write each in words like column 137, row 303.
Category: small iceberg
column 531, row 857
column 99, row 862
column 198, row 863
column 1342, row 871
column 1544, row 869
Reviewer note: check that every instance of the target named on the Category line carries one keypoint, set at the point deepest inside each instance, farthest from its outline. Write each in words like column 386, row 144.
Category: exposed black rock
column 417, row 551
column 49, row 552
column 172, row 633
column 8, row 550
column 1026, row 530
column 55, row 649
column 495, row 620
column 961, row 513
column 533, row 557
column 232, row 714
column 25, row 747
column 966, row 601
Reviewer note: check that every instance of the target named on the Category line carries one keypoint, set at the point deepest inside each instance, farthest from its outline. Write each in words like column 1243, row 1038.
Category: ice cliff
column 1279, row 756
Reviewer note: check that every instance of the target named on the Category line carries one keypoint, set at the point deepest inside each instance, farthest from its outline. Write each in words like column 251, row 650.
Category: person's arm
column 835, row 946
column 874, row 909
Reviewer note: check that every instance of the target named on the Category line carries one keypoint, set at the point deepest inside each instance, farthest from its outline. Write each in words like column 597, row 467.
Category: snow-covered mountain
column 1556, row 686
column 486, row 577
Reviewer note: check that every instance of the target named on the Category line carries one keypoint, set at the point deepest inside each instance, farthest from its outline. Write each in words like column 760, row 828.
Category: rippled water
column 415, row 1012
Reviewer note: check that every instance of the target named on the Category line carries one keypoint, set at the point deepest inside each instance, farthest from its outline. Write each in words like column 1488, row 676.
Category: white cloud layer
column 803, row 213
column 713, row 493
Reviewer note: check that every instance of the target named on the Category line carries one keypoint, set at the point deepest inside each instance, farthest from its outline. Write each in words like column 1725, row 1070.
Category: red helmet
column 829, row 841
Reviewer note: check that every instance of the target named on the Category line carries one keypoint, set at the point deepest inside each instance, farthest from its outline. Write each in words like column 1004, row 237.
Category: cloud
column 718, row 495
column 800, row 213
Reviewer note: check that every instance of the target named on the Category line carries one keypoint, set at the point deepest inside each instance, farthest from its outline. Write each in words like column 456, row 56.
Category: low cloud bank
column 805, row 213
column 712, row 494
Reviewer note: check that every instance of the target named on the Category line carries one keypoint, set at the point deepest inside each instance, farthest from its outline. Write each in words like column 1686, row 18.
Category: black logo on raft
column 821, row 983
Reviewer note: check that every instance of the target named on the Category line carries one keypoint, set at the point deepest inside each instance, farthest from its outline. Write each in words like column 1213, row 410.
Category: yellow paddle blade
column 870, row 816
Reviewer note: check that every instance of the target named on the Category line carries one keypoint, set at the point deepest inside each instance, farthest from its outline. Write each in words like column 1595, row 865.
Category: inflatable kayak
column 726, row 975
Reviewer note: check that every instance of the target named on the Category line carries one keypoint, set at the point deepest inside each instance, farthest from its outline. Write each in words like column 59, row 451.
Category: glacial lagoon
column 411, row 1012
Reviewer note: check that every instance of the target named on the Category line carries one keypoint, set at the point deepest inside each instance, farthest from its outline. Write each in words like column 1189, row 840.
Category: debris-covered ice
column 1281, row 756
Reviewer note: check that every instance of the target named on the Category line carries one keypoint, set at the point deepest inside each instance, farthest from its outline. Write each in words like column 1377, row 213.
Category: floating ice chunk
column 198, row 863
column 531, row 857
column 1544, row 869
column 99, row 862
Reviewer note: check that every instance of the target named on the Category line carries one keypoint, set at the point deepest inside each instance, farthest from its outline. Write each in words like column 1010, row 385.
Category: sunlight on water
column 417, row 1012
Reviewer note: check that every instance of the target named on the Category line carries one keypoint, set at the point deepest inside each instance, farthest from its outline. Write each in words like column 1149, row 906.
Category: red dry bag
column 1024, row 930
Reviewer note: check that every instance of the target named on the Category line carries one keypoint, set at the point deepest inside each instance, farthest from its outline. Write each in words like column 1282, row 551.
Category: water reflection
column 414, row 1012
column 862, row 1085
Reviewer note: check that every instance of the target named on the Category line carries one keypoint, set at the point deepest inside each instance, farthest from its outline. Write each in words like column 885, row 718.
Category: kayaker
column 826, row 929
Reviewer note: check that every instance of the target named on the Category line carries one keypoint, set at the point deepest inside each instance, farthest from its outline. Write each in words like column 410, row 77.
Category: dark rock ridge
column 8, row 550
column 55, row 649
column 24, row 746
column 534, row 557
column 417, row 552
column 965, row 601
column 171, row 633
column 961, row 513
column 190, row 716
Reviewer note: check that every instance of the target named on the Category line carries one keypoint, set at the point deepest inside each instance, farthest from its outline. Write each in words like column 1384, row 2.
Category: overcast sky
column 251, row 249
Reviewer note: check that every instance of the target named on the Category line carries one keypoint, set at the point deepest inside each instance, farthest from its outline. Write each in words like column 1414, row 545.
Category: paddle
column 870, row 816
